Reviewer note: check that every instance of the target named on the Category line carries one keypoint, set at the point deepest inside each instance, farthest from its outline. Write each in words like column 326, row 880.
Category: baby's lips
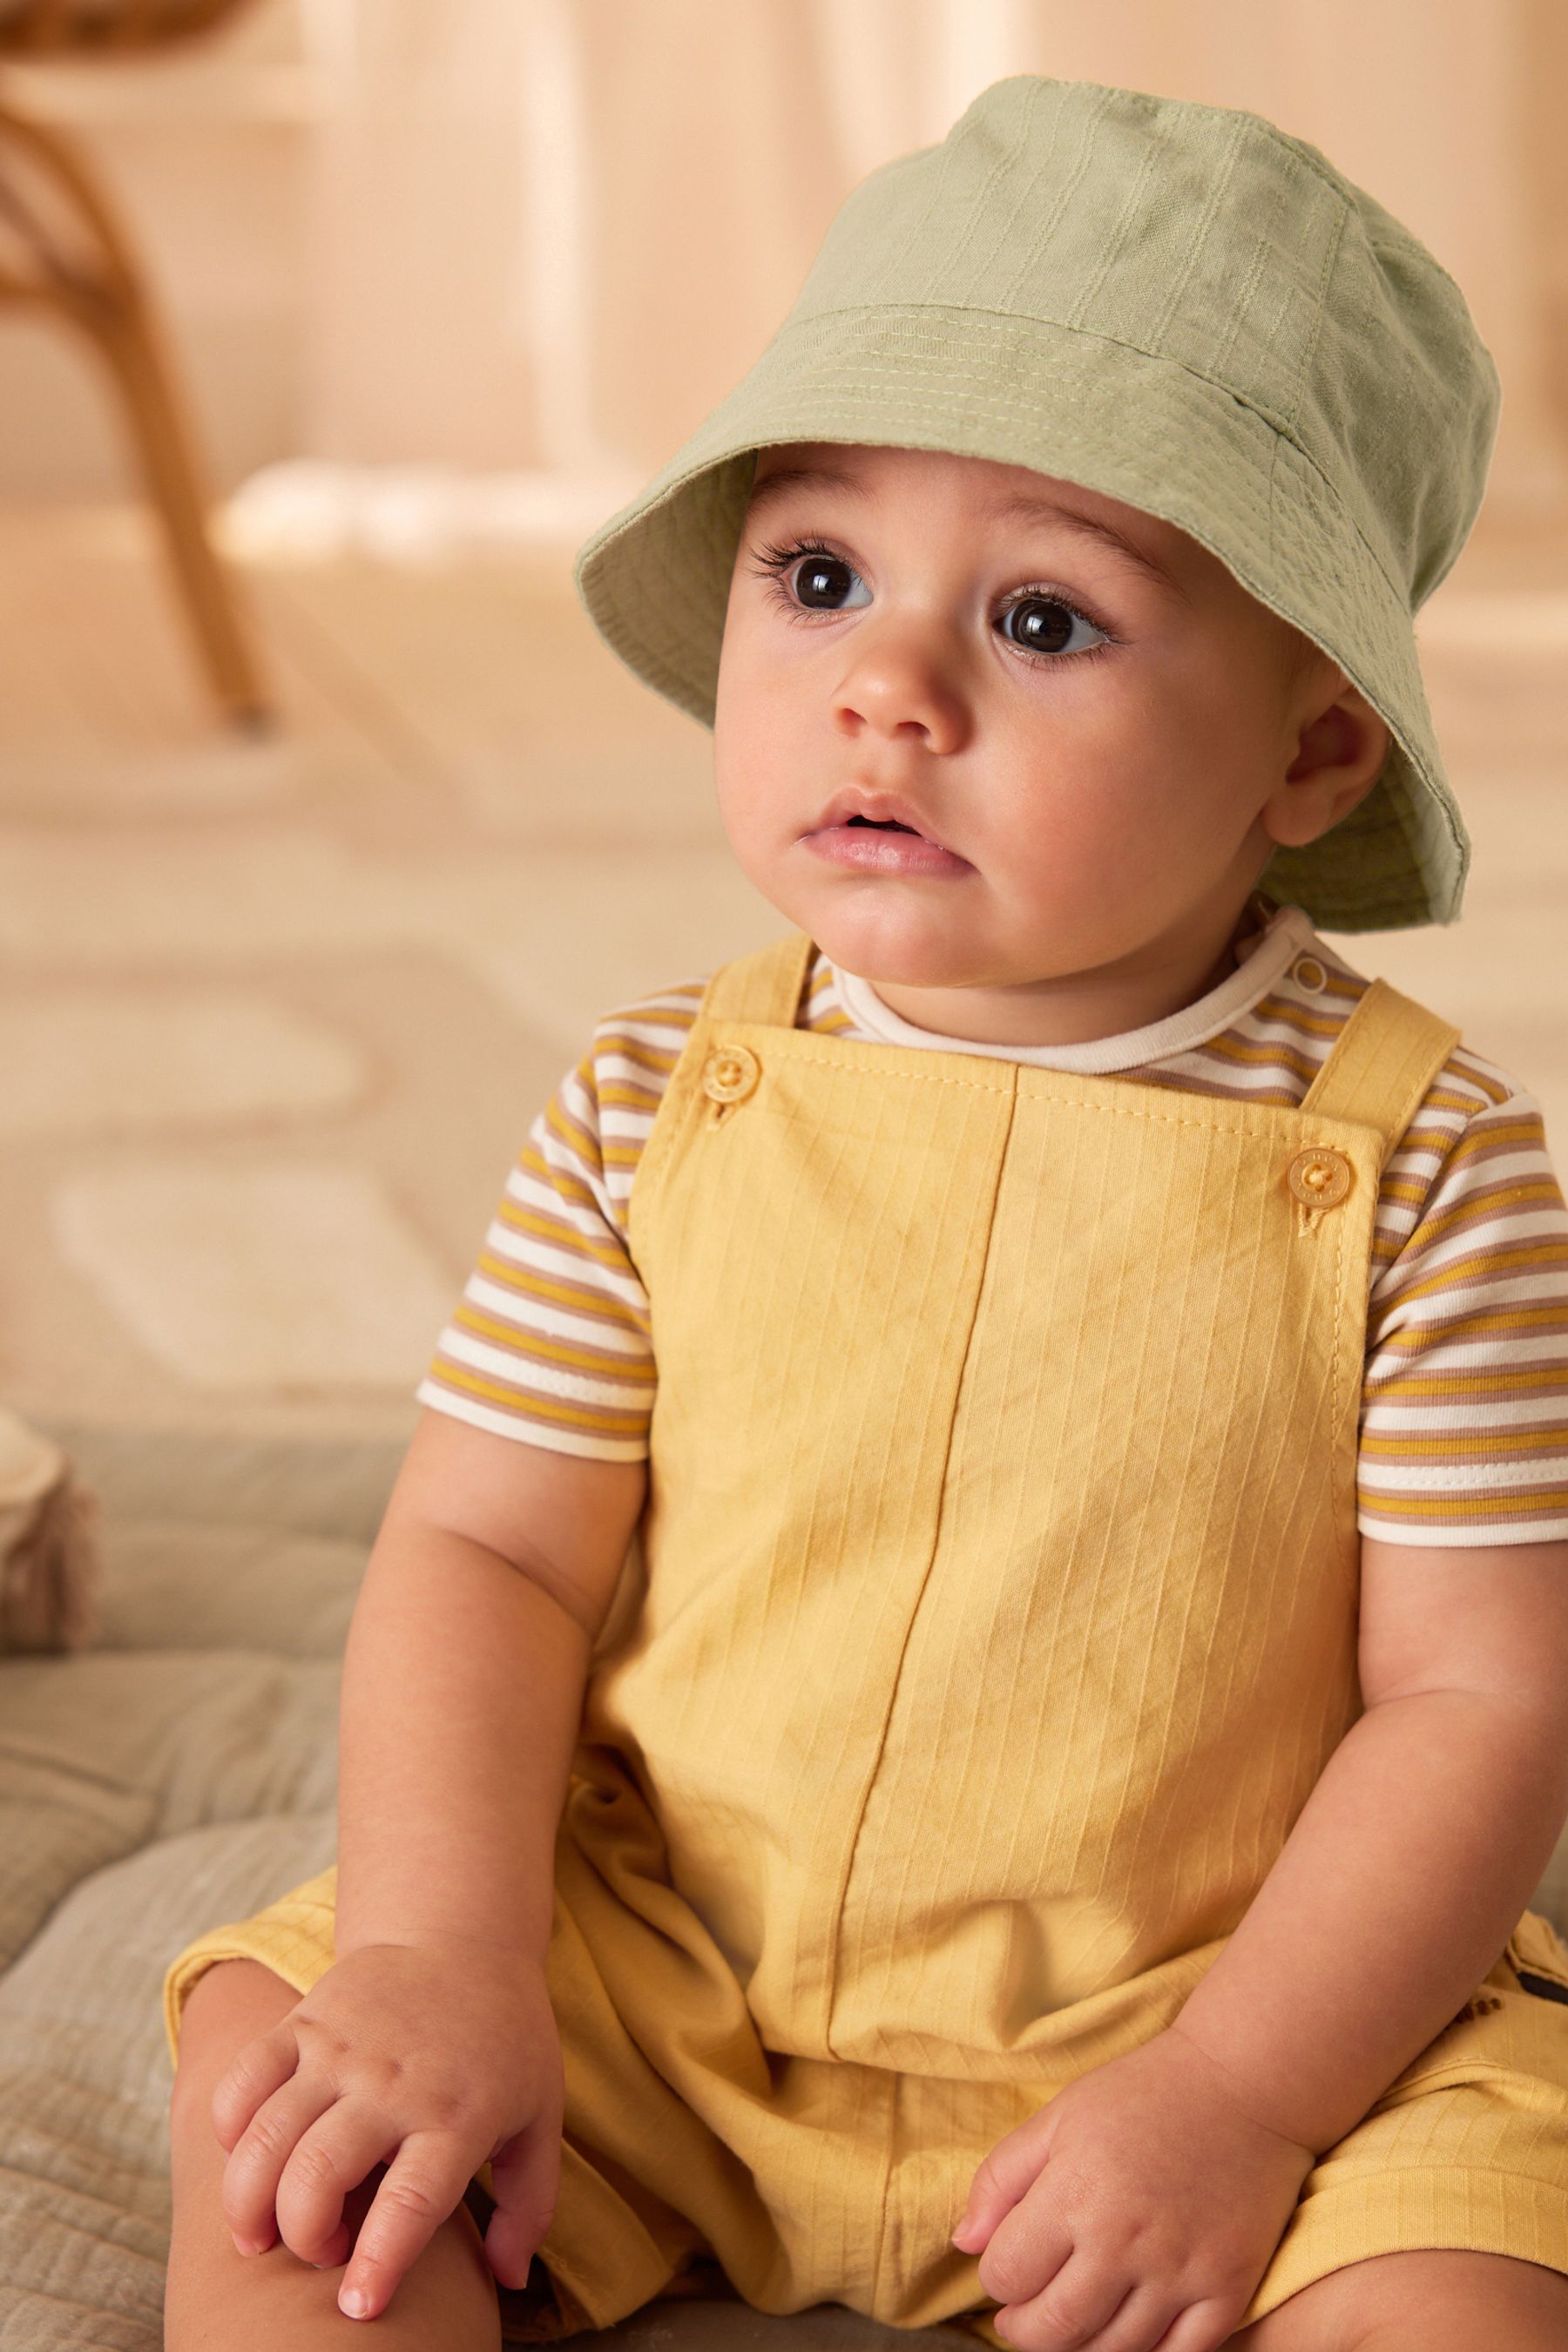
column 878, row 808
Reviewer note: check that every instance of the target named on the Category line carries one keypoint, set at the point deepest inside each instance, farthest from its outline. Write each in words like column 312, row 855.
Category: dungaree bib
column 992, row 1619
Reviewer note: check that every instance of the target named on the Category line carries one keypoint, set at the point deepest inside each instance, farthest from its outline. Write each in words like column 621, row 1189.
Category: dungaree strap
column 763, row 986
column 1382, row 1062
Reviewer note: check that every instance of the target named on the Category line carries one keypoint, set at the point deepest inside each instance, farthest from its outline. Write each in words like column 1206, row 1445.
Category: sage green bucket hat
column 1180, row 306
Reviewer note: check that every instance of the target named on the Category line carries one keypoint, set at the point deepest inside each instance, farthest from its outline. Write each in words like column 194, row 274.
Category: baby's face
column 1100, row 732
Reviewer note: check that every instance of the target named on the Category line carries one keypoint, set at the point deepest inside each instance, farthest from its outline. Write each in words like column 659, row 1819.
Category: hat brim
column 655, row 577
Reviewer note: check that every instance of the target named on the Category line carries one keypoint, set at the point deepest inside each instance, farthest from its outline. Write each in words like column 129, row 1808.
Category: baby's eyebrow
column 1016, row 506
column 773, row 487
column 1019, row 506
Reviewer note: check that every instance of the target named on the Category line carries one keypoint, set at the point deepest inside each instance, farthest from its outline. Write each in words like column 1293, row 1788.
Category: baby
column 965, row 1680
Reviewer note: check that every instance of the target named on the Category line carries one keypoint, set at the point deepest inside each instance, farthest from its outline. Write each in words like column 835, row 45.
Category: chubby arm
column 463, row 1680
column 1426, row 1837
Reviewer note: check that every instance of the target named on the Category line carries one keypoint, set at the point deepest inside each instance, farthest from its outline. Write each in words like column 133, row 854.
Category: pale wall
column 551, row 233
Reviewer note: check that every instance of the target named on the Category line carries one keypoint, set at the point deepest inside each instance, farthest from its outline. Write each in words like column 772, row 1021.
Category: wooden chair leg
column 128, row 342
column 109, row 301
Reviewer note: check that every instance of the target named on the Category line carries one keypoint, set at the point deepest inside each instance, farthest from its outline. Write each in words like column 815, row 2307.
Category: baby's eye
column 819, row 582
column 1046, row 624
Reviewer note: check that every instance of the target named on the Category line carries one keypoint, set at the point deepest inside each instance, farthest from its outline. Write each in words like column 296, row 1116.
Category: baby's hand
column 1139, row 2207
column 432, row 2060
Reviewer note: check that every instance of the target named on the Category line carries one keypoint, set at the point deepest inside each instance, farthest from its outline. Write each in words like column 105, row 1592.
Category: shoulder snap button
column 1309, row 973
column 1319, row 1178
column 730, row 1074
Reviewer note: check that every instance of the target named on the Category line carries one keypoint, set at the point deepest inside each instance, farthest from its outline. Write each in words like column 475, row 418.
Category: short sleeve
column 550, row 1341
column 1464, row 1428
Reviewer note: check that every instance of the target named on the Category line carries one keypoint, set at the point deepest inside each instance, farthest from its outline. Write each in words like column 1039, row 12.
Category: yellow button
column 1320, row 1178
column 1310, row 972
column 730, row 1074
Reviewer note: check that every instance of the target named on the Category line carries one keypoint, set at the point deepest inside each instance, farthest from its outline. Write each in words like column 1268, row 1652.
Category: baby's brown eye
column 822, row 580
column 1043, row 624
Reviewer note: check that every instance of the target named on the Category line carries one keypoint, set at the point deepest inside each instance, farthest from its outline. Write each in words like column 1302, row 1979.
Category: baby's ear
column 1342, row 750
column 1375, row 730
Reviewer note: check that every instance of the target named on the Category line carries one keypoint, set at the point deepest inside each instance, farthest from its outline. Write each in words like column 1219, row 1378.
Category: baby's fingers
column 262, row 2067
column 330, row 2160
column 525, row 2182
column 420, row 2188
column 255, row 2161
column 1004, row 2176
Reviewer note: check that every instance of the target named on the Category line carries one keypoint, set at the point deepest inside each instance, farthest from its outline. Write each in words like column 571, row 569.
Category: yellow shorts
column 831, row 2182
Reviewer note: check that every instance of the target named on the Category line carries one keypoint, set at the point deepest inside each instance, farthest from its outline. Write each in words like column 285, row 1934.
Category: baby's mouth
column 916, row 855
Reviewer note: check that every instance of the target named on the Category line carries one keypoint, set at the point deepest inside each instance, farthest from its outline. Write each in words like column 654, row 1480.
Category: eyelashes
column 775, row 559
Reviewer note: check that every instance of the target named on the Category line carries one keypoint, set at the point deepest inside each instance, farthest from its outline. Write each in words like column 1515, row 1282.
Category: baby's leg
column 218, row 2297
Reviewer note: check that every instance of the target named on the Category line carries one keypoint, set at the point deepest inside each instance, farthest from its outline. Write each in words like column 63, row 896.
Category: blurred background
column 413, row 297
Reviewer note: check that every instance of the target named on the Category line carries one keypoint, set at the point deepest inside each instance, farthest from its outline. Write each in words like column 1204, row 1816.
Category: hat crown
column 1207, row 237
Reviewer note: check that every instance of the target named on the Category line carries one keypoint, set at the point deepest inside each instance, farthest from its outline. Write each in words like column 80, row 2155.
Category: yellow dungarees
column 995, row 1618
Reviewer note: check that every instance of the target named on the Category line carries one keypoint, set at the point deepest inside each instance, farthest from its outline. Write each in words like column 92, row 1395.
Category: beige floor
column 277, row 1014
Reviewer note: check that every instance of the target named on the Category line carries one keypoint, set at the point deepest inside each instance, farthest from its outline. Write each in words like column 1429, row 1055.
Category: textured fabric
column 1464, row 1414
column 173, row 1776
column 1176, row 304
column 996, row 1619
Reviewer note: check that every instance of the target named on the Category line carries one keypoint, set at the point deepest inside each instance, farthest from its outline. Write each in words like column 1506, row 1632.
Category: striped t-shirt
column 1464, row 1417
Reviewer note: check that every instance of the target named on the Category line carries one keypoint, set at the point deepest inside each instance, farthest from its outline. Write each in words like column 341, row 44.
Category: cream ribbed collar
column 1265, row 956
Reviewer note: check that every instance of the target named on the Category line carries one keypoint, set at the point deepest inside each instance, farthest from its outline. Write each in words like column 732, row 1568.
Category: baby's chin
column 914, row 948
column 897, row 929
column 1016, row 953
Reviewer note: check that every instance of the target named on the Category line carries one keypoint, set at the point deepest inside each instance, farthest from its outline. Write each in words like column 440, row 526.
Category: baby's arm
column 1423, row 1841
column 463, row 1681
column 430, row 2043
